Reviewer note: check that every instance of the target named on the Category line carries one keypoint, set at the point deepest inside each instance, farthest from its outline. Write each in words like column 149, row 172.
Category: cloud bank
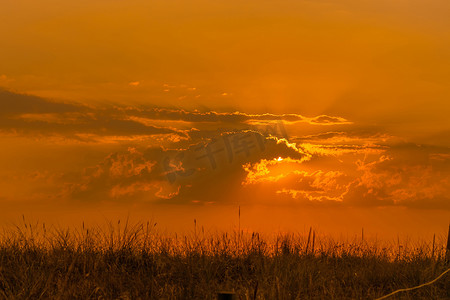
column 171, row 155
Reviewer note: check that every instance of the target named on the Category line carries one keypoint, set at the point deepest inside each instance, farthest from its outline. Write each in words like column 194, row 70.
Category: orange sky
column 335, row 110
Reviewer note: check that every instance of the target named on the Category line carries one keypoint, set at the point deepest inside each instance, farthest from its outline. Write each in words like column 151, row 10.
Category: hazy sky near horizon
column 297, row 104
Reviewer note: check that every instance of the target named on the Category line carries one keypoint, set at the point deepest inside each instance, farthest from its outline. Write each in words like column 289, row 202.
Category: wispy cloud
column 401, row 175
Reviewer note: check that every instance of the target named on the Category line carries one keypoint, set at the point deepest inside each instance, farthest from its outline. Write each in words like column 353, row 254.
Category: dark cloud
column 206, row 171
column 96, row 127
column 229, row 117
column 30, row 115
column 13, row 104
column 321, row 136
column 327, row 120
column 209, row 157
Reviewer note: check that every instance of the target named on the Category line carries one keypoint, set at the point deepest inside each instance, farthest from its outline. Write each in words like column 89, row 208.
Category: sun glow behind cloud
column 169, row 144
column 163, row 160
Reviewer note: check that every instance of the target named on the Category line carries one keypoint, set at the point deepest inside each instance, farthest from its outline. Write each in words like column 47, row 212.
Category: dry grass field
column 124, row 261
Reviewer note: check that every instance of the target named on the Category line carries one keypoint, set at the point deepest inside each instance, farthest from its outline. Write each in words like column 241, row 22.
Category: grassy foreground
column 135, row 262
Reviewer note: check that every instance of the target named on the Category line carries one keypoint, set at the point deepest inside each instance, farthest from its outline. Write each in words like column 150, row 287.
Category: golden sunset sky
column 332, row 114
